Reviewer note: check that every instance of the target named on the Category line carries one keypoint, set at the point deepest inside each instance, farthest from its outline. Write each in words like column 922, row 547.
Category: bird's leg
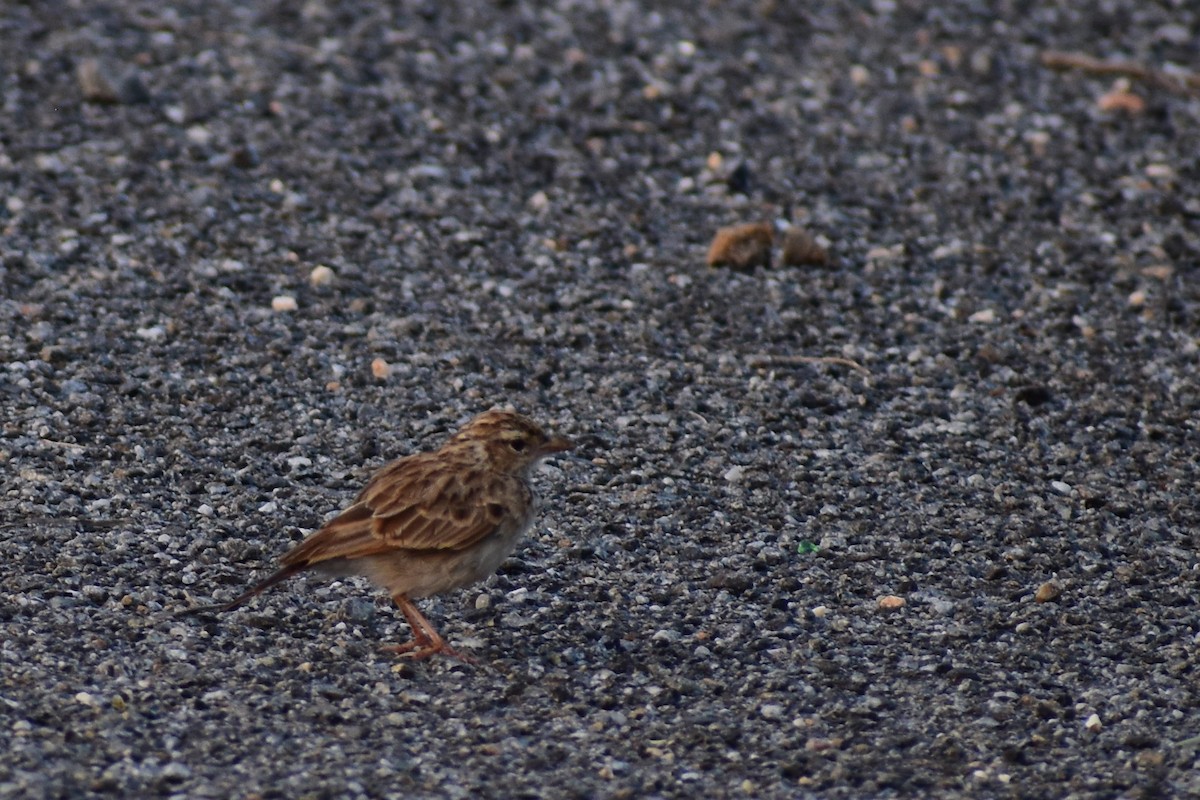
column 426, row 640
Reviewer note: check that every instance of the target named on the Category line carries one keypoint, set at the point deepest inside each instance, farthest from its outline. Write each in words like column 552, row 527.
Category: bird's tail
column 241, row 600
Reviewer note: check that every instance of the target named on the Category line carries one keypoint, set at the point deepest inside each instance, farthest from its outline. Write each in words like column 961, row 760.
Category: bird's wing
column 415, row 503
column 430, row 505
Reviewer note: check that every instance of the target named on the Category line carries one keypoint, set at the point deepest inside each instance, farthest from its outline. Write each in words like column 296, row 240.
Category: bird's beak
column 557, row 444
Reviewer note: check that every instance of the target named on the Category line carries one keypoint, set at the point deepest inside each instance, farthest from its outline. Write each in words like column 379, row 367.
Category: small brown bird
column 431, row 522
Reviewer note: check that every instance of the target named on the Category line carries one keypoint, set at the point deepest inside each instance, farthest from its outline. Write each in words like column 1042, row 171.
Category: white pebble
column 771, row 711
column 321, row 275
column 283, row 302
column 1093, row 723
column 176, row 771
column 198, row 134
column 735, row 474
column 538, row 201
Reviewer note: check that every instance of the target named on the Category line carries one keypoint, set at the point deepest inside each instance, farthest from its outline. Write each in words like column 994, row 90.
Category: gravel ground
column 966, row 567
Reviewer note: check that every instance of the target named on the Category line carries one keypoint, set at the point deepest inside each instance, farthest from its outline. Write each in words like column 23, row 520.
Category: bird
column 429, row 522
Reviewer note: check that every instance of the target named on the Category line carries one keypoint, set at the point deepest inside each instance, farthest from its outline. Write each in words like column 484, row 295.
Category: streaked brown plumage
column 431, row 522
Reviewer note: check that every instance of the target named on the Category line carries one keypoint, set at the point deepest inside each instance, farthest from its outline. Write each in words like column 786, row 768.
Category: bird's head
column 513, row 442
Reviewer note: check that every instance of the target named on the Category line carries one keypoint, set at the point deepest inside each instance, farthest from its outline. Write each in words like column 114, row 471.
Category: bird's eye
column 517, row 444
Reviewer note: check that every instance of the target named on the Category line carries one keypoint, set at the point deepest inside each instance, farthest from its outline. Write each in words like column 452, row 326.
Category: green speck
column 807, row 548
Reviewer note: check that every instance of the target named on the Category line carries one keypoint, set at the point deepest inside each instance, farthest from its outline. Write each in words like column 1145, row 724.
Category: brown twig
column 768, row 360
column 1182, row 83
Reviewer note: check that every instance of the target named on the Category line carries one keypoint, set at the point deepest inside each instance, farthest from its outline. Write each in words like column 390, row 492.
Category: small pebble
column 820, row 745
column 886, row 253
column 151, row 334
column 891, row 602
column 1047, row 592
column 1039, row 142
column 176, row 772
column 359, row 610
column 199, row 135
column 96, row 594
column 283, row 302
column 1093, row 723
column 771, row 711
column 321, row 275
column 735, row 474
column 381, row 369
column 96, row 83
column 1162, row 272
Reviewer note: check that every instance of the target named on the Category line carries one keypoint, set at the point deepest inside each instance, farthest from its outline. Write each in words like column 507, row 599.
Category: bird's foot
column 420, row 650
